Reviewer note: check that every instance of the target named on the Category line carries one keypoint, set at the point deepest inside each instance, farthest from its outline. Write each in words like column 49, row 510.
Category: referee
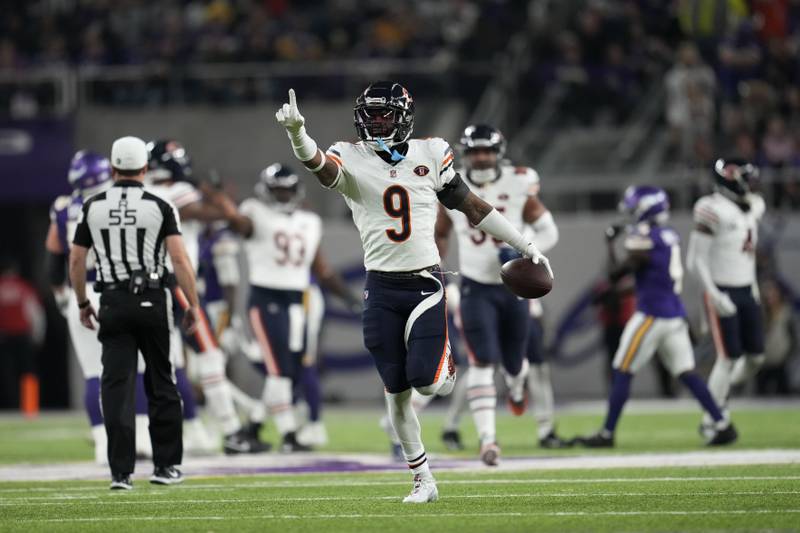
column 130, row 231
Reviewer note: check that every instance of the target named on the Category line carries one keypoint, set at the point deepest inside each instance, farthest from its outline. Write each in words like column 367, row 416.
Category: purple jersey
column 64, row 213
column 217, row 262
column 659, row 281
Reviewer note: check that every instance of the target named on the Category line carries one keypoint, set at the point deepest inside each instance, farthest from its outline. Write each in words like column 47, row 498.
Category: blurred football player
column 282, row 245
column 89, row 174
column 722, row 250
column 659, row 323
column 392, row 184
column 169, row 175
column 495, row 322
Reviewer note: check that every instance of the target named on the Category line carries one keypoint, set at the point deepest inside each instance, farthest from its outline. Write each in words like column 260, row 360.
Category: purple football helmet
column 89, row 173
column 645, row 203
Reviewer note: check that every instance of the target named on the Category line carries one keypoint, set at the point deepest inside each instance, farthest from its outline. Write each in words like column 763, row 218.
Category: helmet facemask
column 280, row 188
column 384, row 115
column 735, row 179
column 483, row 147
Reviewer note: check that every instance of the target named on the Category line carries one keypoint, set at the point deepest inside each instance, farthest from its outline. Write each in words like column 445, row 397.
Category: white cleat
column 313, row 434
column 424, row 490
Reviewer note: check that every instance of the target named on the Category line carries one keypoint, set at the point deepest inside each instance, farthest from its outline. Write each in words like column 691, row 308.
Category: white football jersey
column 182, row 193
column 394, row 206
column 477, row 251
column 735, row 235
column 282, row 247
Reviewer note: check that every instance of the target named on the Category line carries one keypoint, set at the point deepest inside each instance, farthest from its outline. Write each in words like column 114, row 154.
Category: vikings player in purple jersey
column 89, row 174
column 659, row 324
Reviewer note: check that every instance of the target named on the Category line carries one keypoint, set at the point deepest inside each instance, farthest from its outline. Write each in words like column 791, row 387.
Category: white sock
column 100, row 444
column 211, row 367
column 516, row 384
column 406, row 425
column 745, row 368
column 482, row 398
column 719, row 381
column 458, row 401
column 278, row 399
column 541, row 391
column 143, row 444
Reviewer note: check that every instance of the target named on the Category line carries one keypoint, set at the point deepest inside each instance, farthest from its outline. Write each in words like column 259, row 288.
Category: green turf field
column 66, row 437
column 735, row 498
column 739, row 498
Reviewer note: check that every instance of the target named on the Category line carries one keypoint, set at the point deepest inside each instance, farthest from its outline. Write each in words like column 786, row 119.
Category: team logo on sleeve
column 421, row 170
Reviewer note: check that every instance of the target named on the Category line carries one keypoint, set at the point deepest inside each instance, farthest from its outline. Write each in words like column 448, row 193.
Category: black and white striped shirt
column 126, row 226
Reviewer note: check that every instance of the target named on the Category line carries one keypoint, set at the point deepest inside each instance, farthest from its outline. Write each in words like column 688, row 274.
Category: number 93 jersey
column 282, row 247
column 394, row 206
column 477, row 251
column 659, row 281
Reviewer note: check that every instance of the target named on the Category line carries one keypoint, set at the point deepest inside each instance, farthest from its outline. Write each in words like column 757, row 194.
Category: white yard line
column 94, row 500
column 386, row 482
column 416, row 516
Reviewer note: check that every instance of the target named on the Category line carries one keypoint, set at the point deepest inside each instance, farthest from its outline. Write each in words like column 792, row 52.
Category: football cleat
column 490, row 454
column 518, row 408
column 726, row 435
column 313, row 434
column 552, row 441
column 424, row 490
column 452, row 440
column 121, row 482
column 601, row 439
column 166, row 475
column 243, row 441
column 290, row 444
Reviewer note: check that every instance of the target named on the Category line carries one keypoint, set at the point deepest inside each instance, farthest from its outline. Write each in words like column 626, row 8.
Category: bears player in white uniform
column 722, row 254
column 393, row 185
column 282, row 245
column 495, row 323
column 89, row 174
column 169, row 174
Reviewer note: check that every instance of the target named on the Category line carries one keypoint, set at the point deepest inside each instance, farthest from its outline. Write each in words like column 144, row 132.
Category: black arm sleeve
column 453, row 193
column 56, row 269
column 83, row 237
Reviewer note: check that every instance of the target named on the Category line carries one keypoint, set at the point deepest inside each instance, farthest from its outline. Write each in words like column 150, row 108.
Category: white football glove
column 62, row 298
column 723, row 304
column 533, row 253
column 289, row 116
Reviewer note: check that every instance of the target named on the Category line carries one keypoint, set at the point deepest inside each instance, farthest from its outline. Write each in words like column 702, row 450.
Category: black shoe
column 598, row 440
column 254, row 430
column 452, row 440
column 166, row 475
column 553, row 441
column 290, row 444
column 727, row 435
column 121, row 482
column 243, row 441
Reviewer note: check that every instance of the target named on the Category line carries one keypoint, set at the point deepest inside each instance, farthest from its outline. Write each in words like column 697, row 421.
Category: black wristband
column 84, row 304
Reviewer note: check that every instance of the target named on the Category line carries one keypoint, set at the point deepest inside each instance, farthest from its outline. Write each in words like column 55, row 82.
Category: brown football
column 526, row 279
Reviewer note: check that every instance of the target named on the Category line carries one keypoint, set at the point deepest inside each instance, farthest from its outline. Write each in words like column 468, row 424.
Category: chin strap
column 396, row 156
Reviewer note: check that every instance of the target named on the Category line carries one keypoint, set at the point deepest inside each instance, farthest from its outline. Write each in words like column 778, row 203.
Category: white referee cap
column 128, row 153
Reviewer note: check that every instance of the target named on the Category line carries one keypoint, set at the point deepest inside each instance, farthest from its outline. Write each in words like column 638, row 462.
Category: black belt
column 125, row 285
column 434, row 269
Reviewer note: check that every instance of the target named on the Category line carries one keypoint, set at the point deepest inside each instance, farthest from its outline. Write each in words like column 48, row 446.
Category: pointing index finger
column 292, row 98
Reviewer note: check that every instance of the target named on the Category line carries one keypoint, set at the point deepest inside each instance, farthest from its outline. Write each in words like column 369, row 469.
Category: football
column 525, row 278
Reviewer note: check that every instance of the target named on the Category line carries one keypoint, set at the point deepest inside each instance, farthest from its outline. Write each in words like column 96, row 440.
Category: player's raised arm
column 304, row 147
column 456, row 195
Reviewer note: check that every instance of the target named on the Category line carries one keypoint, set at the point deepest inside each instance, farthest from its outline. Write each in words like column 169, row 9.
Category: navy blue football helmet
column 168, row 160
column 384, row 113
column 735, row 178
column 279, row 186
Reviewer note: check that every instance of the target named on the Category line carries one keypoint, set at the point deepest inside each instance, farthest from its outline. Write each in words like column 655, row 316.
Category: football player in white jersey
column 722, row 254
column 393, row 185
column 169, row 174
column 282, row 245
column 495, row 322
